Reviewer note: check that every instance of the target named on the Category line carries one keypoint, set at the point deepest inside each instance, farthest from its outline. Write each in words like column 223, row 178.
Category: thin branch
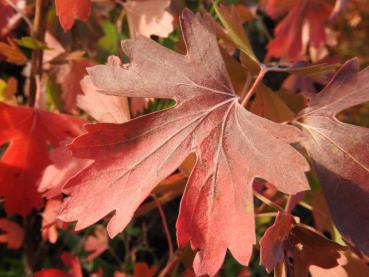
column 246, row 85
column 165, row 225
column 267, row 201
column 38, row 33
column 271, row 214
column 263, row 71
column 257, row 82
column 171, row 264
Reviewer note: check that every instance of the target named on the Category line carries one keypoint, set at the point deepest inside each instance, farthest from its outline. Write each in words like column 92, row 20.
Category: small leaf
column 31, row 43
column 11, row 234
column 68, row 10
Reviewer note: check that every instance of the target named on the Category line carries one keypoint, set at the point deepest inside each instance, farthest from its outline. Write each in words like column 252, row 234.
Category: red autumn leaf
column 70, row 261
column 70, row 76
column 288, row 41
column 68, row 10
column 143, row 270
column 29, row 132
column 149, row 17
column 341, row 151
column 104, row 108
column 97, row 243
column 50, row 223
column 11, row 233
column 62, row 169
column 232, row 145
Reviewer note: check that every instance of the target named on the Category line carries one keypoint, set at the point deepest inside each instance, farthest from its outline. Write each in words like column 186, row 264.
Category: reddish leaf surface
column 29, row 132
column 69, row 10
column 50, row 223
column 144, row 270
column 104, row 108
column 341, row 151
column 70, row 261
column 6, row 12
column 70, row 77
column 97, row 243
column 232, row 145
column 11, row 234
column 62, row 169
column 288, row 42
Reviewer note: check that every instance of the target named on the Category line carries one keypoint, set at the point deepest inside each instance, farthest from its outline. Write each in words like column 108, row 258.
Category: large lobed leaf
column 233, row 146
column 341, row 151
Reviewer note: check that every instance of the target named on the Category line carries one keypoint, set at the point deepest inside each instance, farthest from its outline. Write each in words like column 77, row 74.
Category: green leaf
column 31, row 43
column 109, row 42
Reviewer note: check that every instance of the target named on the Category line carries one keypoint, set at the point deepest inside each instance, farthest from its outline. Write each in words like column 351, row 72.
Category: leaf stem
column 165, row 225
column 271, row 214
column 263, row 71
column 255, row 85
column 246, row 85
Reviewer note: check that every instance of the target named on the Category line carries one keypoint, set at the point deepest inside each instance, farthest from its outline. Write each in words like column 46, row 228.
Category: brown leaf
column 306, row 247
column 298, row 245
column 271, row 244
column 348, row 265
column 269, row 105
column 12, row 53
